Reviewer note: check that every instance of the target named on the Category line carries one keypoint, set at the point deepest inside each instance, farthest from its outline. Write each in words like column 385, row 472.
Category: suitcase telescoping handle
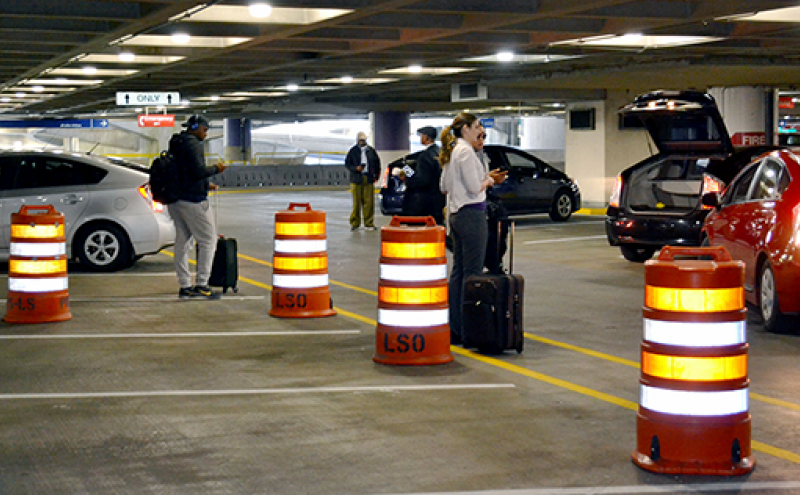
column 719, row 253
column 398, row 220
column 307, row 206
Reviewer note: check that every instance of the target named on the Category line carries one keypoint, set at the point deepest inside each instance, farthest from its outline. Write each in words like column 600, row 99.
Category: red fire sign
column 785, row 102
column 157, row 120
column 749, row 139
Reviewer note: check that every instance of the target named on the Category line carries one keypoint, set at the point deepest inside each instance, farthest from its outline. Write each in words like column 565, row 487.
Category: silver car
column 110, row 218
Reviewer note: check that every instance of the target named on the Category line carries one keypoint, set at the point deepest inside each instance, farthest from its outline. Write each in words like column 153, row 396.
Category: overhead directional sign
column 56, row 123
column 126, row 98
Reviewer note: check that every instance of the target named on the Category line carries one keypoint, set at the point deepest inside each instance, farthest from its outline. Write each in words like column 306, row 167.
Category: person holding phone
column 465, row 179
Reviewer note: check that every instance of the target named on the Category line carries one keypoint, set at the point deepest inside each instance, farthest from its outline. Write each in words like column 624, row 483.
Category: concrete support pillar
column 238, row 140
column 750, row 113
column 72, row 144
column 390, row 131
column 594, row 157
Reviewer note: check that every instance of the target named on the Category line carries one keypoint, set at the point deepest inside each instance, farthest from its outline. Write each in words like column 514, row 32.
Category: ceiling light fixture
column 127, row 56
column 215, row 98
column 89, row 70
column 415, row 69
column 180, row 38
column 347, row 79
column 38, row 89
column 20, row 95
column 260, row 10
column 505, row 56
column 292, row 87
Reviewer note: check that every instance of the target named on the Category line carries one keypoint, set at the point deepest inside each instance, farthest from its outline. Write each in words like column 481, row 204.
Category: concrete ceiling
column 41, row 38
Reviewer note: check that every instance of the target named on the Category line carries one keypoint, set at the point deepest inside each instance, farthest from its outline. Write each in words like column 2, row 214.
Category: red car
column 757, row 219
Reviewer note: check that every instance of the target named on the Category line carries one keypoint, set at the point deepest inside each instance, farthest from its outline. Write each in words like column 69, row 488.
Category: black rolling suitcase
column 492, row 311
column 225, row 270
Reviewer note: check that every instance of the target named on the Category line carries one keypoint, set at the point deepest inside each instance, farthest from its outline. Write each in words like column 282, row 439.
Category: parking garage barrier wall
column 693, row 414
column 413, row 321
column 38, row 290
column 300, row 264
column 283, row 175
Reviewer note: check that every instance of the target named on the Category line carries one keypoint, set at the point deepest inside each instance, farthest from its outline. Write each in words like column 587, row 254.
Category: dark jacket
column 353, row 161
column 422, row 196
column 188, row 152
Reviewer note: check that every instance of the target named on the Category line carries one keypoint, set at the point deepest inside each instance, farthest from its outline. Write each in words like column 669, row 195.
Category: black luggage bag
column 492, row 311
column 225, row 270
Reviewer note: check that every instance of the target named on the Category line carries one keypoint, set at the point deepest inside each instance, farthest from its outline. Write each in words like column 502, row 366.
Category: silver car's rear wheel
column 103, row 248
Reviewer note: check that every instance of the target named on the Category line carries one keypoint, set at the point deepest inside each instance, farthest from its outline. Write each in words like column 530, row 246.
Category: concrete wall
column 596, row 157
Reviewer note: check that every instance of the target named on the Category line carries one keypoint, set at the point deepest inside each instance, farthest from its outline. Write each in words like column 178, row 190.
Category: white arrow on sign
column 126, row 98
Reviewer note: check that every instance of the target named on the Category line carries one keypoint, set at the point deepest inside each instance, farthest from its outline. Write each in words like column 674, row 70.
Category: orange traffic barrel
column 413, row 326
column 300, row 264
column 693, row 414
column 37, row 268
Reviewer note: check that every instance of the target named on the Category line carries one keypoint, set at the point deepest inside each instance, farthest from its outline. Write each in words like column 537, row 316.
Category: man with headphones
column 192, row 212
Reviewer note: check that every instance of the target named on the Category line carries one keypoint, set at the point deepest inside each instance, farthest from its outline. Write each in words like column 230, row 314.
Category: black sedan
column 532, row 186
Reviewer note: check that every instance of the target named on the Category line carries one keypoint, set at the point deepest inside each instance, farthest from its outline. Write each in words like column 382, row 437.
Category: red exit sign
column 749, row 139
column 159, row 120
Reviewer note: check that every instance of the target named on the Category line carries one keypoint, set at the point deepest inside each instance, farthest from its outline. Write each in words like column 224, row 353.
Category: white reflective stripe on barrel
column 413, row 273
column 299, row 281
column 413, row 318
column 37, row 284
column 694, row 334
column 694, row 403
column 291, row 246
column 38, row 248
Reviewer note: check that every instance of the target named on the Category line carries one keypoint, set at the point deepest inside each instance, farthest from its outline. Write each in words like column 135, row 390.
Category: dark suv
column 656, row 202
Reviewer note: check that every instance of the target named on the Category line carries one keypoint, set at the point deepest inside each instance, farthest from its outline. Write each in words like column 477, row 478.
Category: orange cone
column 300, row 287
column 37, row 269
column 693, row 415
column 413, row 323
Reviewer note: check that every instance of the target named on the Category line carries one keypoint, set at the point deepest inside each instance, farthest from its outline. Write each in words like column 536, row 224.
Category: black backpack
column 165, row 178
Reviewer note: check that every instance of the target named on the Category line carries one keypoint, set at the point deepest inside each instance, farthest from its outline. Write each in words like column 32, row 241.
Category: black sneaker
column 203, row 292
column 185, row 292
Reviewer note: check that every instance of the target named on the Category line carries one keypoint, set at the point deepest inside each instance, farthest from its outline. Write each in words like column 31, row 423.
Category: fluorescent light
column 96, row 72
column 215, row 98
column 788, row 14
column 260, row 10
column 521, row 58
column 356, row 80
column 505, row 56
column 38, row 89
column 181, row 38
column 102, row 58
column 62, row 81
column 88, row 70
column 637, row 41
column 193, row 42
column 5, row 99
column 292, row 87
column 20, row 94
column 240, row 14
column 127, row 56
column 431, row 71
column 347, row 79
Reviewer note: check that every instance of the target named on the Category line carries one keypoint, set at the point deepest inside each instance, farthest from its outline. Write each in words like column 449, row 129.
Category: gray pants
column 470, row 232
column 193, row 220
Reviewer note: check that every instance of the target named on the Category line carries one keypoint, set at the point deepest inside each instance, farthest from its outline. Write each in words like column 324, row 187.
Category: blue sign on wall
column 487, row 123
column 56, row 124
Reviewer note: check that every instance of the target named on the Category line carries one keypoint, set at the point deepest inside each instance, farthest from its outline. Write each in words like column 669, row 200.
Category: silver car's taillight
column 154, row 205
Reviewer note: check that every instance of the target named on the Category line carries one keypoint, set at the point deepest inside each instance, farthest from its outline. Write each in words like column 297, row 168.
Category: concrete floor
column 142, row 393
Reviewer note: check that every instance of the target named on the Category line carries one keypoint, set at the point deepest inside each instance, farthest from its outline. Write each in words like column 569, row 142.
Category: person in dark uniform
column 422, row 196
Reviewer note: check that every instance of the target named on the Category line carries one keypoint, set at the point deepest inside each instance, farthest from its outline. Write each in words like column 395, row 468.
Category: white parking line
column 637, row 489
column 566, row 239
column 258, row 391
column 178, row 335
column 555, row 225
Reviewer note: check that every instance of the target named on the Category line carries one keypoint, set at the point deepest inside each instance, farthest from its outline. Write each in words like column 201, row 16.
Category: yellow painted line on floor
column 557, row 382
column 635, row 364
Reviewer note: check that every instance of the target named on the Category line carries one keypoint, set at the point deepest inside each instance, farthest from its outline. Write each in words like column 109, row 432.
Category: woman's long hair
column 451, row 133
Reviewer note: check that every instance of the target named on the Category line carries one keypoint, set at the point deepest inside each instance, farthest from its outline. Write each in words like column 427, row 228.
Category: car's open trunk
column 666, row 185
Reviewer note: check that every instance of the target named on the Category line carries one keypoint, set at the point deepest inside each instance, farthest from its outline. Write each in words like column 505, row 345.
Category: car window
column 767, row 183
column 43, row 171
column 8, row 170
column 525, row 166
column 494, row 158
column 737, row 193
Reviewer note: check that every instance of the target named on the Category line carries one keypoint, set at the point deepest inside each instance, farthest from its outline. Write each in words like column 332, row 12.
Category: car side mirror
column 710, row 199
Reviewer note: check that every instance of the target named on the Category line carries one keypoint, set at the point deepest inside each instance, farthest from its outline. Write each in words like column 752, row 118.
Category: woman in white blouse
column 464, row 179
